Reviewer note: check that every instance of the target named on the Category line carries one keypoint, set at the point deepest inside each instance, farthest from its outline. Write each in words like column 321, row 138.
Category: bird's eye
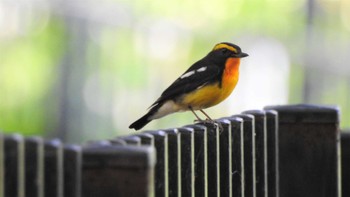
column 224, row 51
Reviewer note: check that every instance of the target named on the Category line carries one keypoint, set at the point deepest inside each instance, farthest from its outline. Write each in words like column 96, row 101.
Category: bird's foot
column 206, row 121
column 210, row 121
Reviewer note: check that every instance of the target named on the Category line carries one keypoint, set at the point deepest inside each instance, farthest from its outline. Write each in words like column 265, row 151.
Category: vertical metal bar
column 72, row 170
column 117, row 170
column 309, row 150
column 260, row 151
column 345, row 157
column 34, row 167
column 161, row 169
column 272, row 152
column 14, row 166
column 238, row 168
column 249, row 154
column 225, row 135
column 187, row 161
column 2, row 165
column 146, row 139
column 53, row 168
column 200, row 154
column 174, row 169
column 213, row 147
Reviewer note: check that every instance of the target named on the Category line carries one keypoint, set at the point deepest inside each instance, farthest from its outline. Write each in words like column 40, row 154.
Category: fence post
column 225, row 148
column 272, row 153
column 200, row 161
column 2, row 163
column 174, row 159
column 249, row 154
column 72, row 170
column 238, row 168
column 308, row 151
column 213, row 150
column 345, row 157
column 260, row 151
column 117, row 170
column 34, row 167
column 14, row 166
column 146, row 139
column 53, row 169
column 187, row 162
column 161, row 168
column 231, row 157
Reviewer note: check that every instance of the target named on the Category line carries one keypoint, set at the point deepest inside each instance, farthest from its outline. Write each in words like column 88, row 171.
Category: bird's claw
column 206, row 121
column 210, row 121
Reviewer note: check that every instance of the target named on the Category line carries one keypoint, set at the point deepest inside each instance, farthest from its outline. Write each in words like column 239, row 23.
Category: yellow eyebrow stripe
column 222, row 45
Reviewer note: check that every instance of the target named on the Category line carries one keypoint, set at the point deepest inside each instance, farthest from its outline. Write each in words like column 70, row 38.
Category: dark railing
column 279, row 151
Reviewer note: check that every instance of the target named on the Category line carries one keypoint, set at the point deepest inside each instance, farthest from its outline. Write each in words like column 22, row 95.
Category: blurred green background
column 84, row 70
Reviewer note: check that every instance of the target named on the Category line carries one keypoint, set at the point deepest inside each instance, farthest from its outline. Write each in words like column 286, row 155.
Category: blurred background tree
column 83, row 70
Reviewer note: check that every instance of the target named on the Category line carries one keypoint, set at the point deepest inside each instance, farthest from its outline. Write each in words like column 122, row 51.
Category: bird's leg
column 198, row 118
column 208, row 117
column 208, row 120
column 212, row 121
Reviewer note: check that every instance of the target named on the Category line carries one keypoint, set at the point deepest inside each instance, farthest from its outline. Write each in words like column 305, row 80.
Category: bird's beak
column 240, row 55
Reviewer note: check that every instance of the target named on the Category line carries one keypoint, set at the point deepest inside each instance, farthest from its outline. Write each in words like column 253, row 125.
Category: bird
column 206, row 83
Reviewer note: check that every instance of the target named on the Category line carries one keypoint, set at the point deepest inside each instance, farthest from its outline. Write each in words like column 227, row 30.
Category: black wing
column 187, row 84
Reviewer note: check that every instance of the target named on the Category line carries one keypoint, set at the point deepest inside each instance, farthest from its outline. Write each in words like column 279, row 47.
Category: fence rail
column 279, row 151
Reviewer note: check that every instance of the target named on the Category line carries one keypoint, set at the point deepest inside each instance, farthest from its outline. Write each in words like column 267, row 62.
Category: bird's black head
column 227, row 50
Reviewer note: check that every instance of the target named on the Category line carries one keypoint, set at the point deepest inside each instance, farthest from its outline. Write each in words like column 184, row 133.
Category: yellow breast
column 213, row 94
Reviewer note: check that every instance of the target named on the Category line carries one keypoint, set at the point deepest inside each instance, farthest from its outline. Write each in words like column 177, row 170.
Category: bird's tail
column 138, row 124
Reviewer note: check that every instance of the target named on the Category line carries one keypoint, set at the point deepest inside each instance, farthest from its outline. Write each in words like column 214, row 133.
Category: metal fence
column 279, row 151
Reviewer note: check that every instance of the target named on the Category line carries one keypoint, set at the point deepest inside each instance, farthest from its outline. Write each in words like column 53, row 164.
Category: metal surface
column 272, row 153
column 308, row 151
column 280, row 151
column 260, row 151
column 249, row 154
column 53, row 170
column 117, row 170
column 161, row 172
column 14, row 166
column 34, row 167
column 345, row 162
column 72, row 170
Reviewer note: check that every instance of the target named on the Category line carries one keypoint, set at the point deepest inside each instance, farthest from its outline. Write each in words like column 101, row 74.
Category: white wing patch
column 188, row 74
column 202, row 69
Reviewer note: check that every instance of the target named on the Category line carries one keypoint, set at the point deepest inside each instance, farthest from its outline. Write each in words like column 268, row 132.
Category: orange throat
column 231, row 74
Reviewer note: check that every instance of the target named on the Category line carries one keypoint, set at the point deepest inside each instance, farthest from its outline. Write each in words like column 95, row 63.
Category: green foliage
column 27, row 73
column 126, row 61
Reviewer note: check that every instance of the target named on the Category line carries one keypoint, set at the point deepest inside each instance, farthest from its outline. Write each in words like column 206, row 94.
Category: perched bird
column 205, row 84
